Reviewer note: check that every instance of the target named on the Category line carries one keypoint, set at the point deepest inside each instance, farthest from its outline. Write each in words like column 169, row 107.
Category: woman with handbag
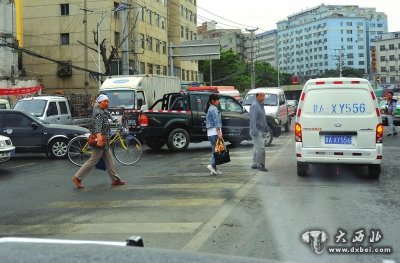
column 214, row 126
column 100, row 127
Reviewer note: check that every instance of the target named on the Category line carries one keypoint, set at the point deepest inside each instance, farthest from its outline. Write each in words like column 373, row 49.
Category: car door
column 65, row 115
column 198, row 104
column 52, row 113
column 25, row 137
column 235, row 121
column 283, row 110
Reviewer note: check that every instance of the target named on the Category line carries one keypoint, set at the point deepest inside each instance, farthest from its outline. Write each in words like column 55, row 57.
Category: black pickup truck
column 179, row 118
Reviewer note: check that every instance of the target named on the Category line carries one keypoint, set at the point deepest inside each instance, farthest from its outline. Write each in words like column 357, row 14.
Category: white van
column 338, row 121
column 275, row 104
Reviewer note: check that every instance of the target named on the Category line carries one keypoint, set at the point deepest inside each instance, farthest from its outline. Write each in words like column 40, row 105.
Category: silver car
column 6, row 148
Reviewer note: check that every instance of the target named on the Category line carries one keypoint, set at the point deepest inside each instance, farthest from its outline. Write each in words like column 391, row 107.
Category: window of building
column 64, row 39
column 392, row 79
column 157, row 18
column 383, row 69
column 182, row 31
column 360, row 55
column 149, row 41
column 116, row 14
column 158, row 70
column 164, row 47
column 149, row 68
column 350, row 63
column 383, row 80
column 382, row 48
column 349, row 31
column 116, row 39
column 164, row 70
column 149, row 17
column 141, row 39
column 392, row 69
column 360, row 63
column 350, row 47
column 183, row 74
column 391, row 57
column 141, row 13
column 349, row 23
column 360, row 47
column 157, row 45
column 142, row 68
column 391, row 46
column 383, row 58
column 64, row 9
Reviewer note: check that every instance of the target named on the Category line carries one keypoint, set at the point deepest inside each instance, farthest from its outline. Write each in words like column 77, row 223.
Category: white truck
column 133, row 93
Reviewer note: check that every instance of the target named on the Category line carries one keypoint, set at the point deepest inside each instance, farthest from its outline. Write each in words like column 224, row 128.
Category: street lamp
column 120, row 7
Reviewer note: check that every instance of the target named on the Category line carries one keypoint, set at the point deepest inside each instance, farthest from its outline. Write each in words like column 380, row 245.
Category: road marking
column 209, row 228
column 103, row 228
column 136, row 203
column 22, row 165
column 179, row 186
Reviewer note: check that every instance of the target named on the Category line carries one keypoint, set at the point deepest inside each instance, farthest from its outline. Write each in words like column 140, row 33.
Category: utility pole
column 253, row 77
column 85, row 22
column 340, row 59
column 125, row 44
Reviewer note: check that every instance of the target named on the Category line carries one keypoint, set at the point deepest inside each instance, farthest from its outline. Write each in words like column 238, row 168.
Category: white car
column 6, row 148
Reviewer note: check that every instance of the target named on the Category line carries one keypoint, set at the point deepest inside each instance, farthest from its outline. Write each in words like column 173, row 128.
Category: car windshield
column 270, row 99
column 34, row 107
column 121, row 99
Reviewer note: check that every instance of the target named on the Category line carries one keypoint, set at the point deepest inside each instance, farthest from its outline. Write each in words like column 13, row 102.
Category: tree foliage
column 231, row 70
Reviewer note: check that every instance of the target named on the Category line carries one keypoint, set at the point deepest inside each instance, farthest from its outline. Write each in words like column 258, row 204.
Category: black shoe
column 262, row 168
column 254, row 166
column 389, row 134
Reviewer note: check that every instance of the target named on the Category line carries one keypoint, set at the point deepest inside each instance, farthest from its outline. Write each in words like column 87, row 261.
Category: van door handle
column 202, row 117
column 226, row 118
column 58, row 118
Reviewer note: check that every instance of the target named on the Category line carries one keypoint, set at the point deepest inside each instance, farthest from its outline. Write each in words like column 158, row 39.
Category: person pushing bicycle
column 100, row 126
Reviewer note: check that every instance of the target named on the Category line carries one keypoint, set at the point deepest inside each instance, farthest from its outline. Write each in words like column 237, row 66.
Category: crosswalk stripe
column 180, row 186
column 136, row 203
column 107, row 228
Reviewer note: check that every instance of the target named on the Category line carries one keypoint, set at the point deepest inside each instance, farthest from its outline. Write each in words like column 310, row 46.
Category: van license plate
column 337, row 139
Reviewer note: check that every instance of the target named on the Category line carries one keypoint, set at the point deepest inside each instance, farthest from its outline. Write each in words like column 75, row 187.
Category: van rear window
column 338, row 102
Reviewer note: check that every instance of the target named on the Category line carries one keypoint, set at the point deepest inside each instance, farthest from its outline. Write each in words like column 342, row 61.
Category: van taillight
column 144, row 120
column 379, row 133
column 298, row 133
column 378, row 112
column 373, row 95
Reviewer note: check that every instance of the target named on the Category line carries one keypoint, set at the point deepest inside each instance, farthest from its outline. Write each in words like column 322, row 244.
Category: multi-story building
column 327, row 37
column 229, row 39
column 66, row 31
column 386, row 59
column 8, row 57
column 265, row 47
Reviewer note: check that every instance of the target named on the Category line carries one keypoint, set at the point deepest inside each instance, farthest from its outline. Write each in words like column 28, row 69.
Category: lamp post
column 120, row 7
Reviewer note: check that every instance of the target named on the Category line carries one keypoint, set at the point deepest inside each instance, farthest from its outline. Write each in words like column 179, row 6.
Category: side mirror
column 139, row 103
column 34, row 125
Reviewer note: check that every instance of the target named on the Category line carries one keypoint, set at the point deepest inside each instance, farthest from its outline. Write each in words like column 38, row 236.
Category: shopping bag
column 222, row 157
column 101, row 165
column 221, row 153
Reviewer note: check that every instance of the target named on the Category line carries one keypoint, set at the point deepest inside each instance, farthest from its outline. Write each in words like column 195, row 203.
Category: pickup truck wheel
column 287, row 125
column 58, row 148
column 268, row 136
column 155, row 143
column 178, row 140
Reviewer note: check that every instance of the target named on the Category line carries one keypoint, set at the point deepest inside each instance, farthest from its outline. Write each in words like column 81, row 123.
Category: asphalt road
column 172, row 202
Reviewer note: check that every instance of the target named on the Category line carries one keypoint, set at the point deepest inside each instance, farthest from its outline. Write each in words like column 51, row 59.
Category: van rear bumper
column 339, row 155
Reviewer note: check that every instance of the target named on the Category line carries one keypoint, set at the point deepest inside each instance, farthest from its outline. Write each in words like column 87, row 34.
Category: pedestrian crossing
column 186, row 202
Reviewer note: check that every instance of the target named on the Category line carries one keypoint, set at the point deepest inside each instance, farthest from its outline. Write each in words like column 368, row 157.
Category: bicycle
column 126, row 148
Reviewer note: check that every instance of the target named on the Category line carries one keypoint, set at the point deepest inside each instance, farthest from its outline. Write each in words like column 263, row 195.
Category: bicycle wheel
column 79, row 151
column 128, row 153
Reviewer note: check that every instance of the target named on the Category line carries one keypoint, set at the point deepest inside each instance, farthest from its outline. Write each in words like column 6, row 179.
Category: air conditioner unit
column 64, row 69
